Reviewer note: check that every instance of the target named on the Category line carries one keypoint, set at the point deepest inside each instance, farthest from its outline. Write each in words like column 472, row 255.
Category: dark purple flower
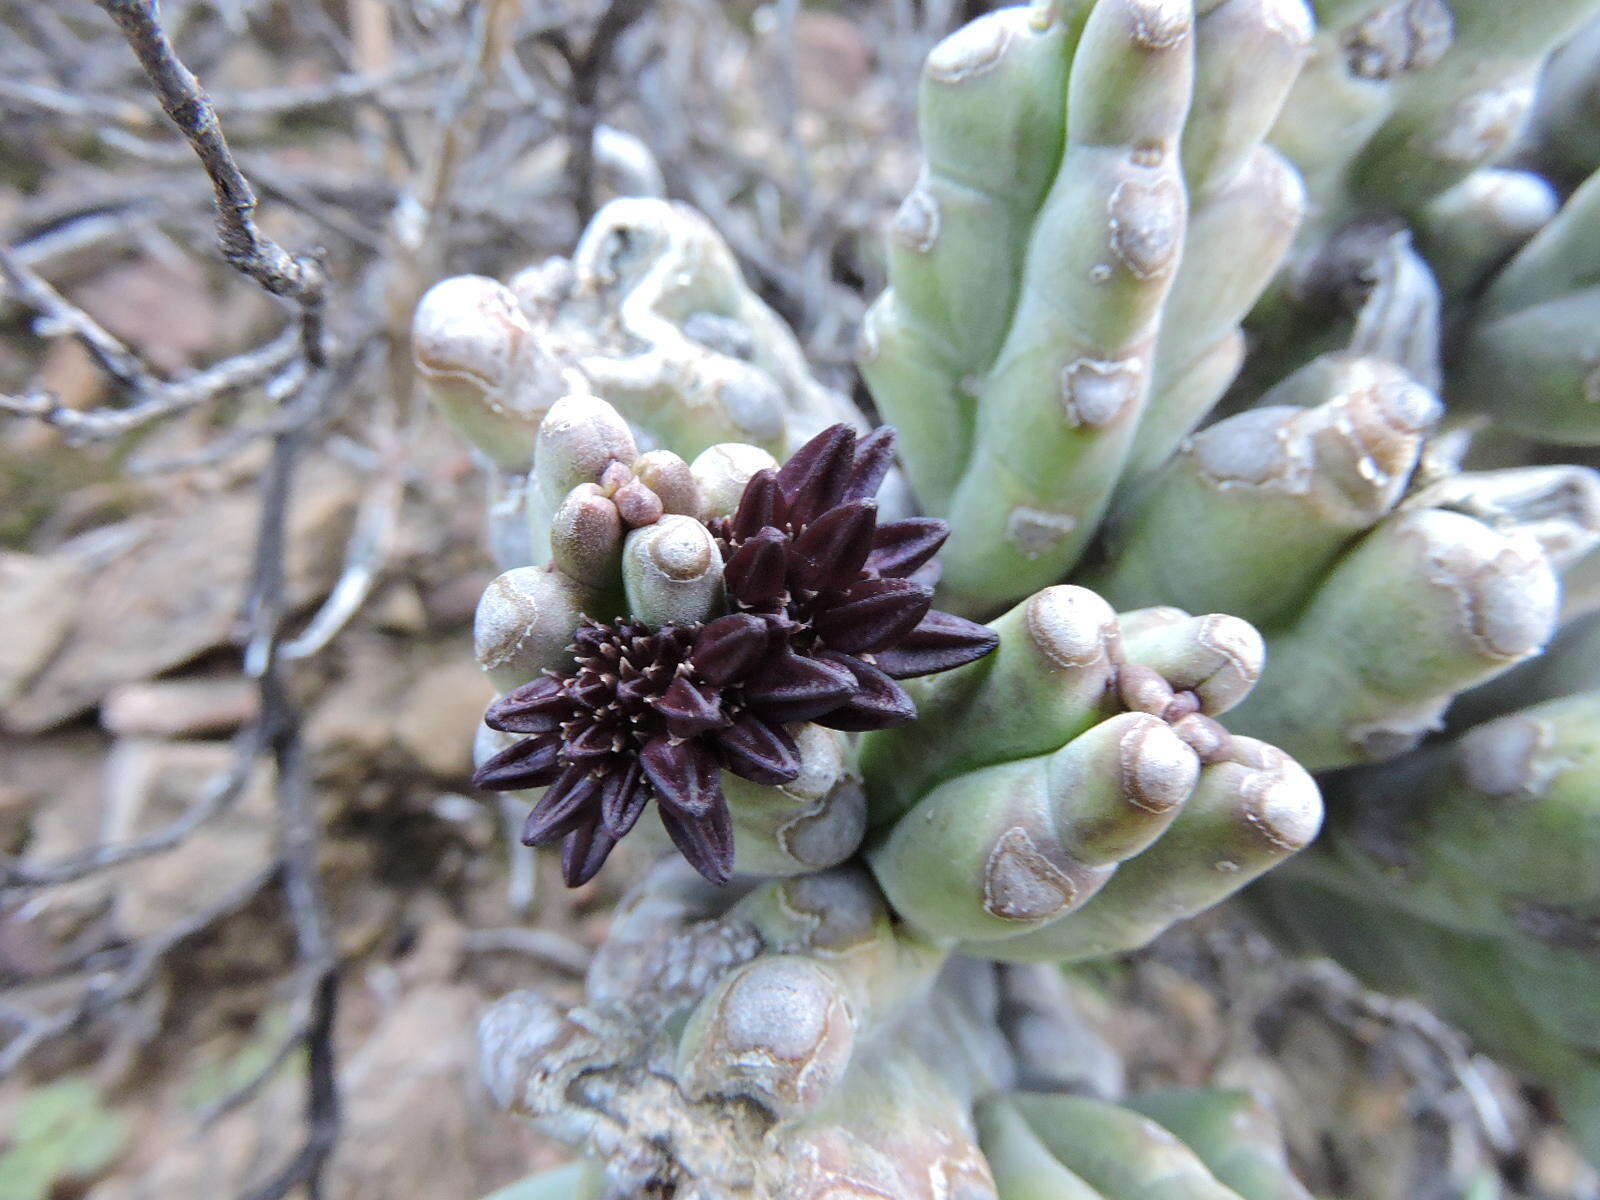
column 828, row 610
column 639, row 717
column 843, row 598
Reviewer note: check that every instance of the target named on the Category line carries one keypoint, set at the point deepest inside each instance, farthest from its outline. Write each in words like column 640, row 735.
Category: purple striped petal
column 707, row 841
column 756, row 573
column 792, row 688
column 873, row 458
column 758, row 750
column 531, row 762
column 830, row 552
column 873, row 613
column 941, row 641
column 900, row 547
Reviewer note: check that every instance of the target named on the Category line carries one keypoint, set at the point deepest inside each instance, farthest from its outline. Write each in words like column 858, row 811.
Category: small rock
column 38, row 597
column 149, row 784
column 168, row 587
column 417, row 1122
column 441, row 714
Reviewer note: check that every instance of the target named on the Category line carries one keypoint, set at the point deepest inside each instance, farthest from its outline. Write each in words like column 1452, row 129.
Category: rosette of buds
column 825, row 610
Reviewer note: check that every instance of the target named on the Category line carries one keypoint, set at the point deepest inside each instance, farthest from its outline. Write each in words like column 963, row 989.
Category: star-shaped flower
column 828, row 610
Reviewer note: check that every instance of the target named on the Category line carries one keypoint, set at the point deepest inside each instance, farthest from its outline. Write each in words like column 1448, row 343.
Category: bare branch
column 122, row 364
column 219, row 796
column 299, row 278
column 162, row 400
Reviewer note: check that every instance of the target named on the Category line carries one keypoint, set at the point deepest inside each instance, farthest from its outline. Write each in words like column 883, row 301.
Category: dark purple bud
column 585, row 852
column 941, row 641
column 874, row 455
column 814, row 478
column 561, row 808
column 683, row 774
column 900, row 547
column 879, row 702
column 532, row 708
column 707, row 842
column 728, row 648
column 758, row 750
column 873, row 613
column 760, row 505
column 623, row 796
column 792, row 688
column 688, row 709
column 590, row 743
column 529, row 763
column 830, row 551
column 755, row 572
column 590, row 691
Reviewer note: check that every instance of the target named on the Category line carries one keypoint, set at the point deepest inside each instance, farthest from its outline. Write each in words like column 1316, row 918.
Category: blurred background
column 249, row 907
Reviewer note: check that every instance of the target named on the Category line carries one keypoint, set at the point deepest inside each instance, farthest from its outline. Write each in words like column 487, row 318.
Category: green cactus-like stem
column 1527, row 357
column 1471, row 230
column 1466, row 874
column 814, row 821
column 1250, row 809
column 481, row 364
column 1016, row 369
column 1237, row 238
column 1024, row 1167
column 525, row 621
column 1246, row 202
column 992, row 119
column 1484, row 818
column 1059, row 407
column 672, row 572
column 1566, row 109
column 1233, row 1135
column 1013, row 846
column 1426, row 605
column 1452, row 118
column 1248, row 518
column 1048, row 681
column 1119, row 1153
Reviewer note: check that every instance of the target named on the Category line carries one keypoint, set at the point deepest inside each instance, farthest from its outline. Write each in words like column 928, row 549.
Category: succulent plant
column 821, row 621
column 1205, row 573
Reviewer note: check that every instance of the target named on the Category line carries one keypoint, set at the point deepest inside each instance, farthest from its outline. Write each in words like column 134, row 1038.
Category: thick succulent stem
column 1248, row 518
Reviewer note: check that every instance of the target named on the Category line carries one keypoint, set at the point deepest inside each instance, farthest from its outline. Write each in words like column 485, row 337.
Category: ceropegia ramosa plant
column 1217, row 338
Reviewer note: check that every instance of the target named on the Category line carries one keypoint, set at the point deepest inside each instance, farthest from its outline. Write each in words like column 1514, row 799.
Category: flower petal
column 728, row 648
column 755, row 572
column 792, row 688
column 562, row 808
column 535, row 707
column 689, row 710
column 879, row 702
column 623, row 796
column 757, row 750
column 830, row 551
column 873, row 613
column 760, row 505
column 814, row 478
column 531, row 762
column 873, row 457
column 592, row 742
column 585, row 852
column 900, row 547
column 706, row 841
column 683, row 774
column 941, row 641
